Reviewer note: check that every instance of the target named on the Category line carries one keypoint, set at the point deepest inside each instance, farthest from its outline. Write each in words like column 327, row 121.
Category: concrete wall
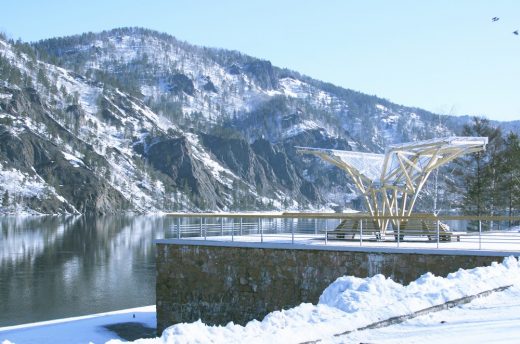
column 241, row 282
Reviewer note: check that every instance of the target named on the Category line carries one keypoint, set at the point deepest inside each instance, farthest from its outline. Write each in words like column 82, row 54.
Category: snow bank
column 377, row 298
column 347, row 304
column 82, row 329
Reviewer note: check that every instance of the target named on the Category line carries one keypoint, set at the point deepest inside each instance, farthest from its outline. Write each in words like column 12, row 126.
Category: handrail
column 338, row 216
column 417, row 231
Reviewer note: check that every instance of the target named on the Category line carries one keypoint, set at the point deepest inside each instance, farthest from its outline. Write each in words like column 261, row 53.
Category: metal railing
column 418, row 231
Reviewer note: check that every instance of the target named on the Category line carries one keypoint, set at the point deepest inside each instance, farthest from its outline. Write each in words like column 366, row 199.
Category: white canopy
column 386, row 180
column 402, row 163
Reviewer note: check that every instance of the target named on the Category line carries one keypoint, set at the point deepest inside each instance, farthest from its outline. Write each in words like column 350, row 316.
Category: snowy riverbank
column 85, row 329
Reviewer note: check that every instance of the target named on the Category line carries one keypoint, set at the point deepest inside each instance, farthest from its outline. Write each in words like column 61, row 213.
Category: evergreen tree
column 479, row 171
column 493, row 173
column 5, row 199
column 510, row 186
column 42, row 79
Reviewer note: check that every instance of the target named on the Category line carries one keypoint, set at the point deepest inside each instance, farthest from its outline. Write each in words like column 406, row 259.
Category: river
column 53, row 267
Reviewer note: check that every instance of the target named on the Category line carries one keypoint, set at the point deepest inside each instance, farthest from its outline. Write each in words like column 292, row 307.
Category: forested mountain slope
column 135, row 120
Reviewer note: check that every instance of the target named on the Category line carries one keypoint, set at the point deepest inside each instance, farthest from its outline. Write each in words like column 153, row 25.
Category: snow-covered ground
column 493, row 319
column 83, row 329
column 346, row 305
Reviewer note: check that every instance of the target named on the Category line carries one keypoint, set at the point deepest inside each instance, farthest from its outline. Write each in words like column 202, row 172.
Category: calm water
column 55, row 267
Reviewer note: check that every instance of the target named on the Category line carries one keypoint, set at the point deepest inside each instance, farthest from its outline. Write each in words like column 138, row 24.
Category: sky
column 445, row 56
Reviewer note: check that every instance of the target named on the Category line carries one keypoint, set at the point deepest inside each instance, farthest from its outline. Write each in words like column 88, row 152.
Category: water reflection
column 54, row 267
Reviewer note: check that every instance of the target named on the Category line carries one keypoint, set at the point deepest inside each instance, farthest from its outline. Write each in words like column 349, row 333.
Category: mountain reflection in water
column 54, row 266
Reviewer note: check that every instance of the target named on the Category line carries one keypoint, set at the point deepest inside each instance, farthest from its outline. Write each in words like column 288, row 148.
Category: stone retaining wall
column 218, row 284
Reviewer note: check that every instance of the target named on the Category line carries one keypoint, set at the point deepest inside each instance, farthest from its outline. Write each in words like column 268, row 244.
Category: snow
column 7, row 52
column 301, row 127
column 493, row 319
column 104, row 137
column 390, row 119
column 236, row 93
column 18, row 183
column 85, row 329
column 499, row 243
column 22, row 185
column 301, row 90
column 125, row 178
column 381, row 108
column 346, row 305
column 293, row 88
column 74, row 161
column 127, row 48
column 219, row 172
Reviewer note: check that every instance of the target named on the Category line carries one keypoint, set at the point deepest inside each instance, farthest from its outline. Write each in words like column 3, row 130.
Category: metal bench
column 351, row 227
column 424, row 227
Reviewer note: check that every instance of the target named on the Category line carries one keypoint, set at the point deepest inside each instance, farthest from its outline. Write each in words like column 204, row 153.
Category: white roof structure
column 416, row 158
column 387, row 180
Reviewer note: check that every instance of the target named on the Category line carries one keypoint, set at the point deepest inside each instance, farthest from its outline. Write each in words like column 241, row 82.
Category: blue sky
column 446, row 56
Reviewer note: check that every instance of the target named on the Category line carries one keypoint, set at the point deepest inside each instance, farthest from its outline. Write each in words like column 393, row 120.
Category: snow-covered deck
column 471, row 235
column 497, row 243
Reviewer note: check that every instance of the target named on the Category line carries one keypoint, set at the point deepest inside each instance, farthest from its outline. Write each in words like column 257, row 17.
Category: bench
column 424, row 227
column 351, row 227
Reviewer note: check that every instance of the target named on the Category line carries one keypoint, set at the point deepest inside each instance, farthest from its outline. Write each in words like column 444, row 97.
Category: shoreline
column 124, row 324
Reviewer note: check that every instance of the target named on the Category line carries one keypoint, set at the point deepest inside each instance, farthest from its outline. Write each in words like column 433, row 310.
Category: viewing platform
column 239, row 267
column 457, row 234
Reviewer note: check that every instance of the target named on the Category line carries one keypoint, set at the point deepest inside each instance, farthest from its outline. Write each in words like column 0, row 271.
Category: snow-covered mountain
column 132, row 119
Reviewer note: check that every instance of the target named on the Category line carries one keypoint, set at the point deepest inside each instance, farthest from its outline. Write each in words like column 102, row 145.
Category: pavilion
column 391, row 182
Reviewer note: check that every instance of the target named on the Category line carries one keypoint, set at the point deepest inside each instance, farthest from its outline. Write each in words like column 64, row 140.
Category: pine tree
column 5, row 199
column 479, row 171
column 493, row 173
column 510, row 187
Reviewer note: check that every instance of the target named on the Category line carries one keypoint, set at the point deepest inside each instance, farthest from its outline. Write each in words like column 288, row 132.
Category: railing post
column 221, row 226
column 361, row 232
column 480, row 234
column 205, row 228
column 240, row 226
column 315, row 227
column 200, row 227
column 261, row 230
column 178, row 228
column 292, row 231
column 398, row 232
column 232, row 229
column 326, row 230
column 438, row 232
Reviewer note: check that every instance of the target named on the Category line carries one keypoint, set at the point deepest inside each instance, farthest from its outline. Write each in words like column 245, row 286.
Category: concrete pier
column 220, row 282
